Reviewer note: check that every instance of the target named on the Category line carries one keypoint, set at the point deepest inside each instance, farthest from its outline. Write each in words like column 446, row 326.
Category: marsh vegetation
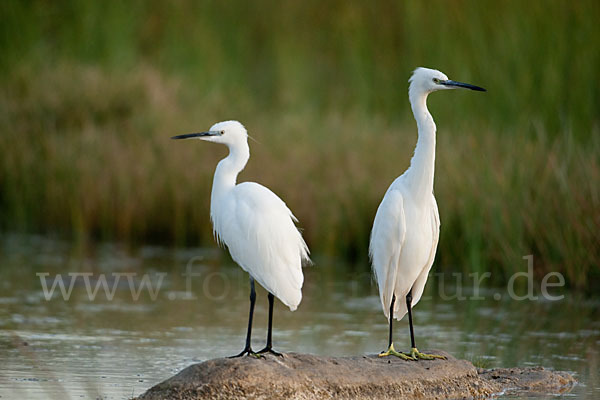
column 90, row 93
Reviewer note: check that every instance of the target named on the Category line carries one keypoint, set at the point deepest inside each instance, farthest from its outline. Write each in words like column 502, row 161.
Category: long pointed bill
column 198, row 135
column 462, row 85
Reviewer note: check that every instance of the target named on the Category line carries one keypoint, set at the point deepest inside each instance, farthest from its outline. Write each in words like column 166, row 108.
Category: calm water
column 117, row 348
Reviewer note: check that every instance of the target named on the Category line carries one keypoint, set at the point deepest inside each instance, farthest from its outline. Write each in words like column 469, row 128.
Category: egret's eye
column 436, row 80
column 222, row 132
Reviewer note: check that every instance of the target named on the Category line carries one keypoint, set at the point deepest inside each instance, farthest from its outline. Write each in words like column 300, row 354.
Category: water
column 116, row 349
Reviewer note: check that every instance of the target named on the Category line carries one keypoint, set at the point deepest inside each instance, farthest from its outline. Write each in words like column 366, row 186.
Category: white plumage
column 407, row 225
column 256, row 226
column 403, row 245
column 259, row 231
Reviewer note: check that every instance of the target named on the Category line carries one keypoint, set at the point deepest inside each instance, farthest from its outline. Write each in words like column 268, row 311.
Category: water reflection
column 116, row 349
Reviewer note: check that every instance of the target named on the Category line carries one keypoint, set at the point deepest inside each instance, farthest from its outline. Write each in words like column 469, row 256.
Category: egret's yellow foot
column 392, row 352
column 416, row 354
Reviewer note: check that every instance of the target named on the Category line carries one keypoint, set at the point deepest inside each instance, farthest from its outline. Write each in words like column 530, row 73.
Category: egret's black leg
column 248, row 348
column 410, row 323
column 391, row 318
column 269, row 347
column 391, row 351
column 414, row 352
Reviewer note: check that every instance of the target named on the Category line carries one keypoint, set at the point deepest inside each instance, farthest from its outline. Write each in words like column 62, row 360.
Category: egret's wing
column 387, row 239
column 263, row 239
column 419, row 284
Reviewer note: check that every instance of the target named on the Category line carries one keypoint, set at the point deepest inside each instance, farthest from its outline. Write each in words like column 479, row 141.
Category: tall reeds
column 91, row 92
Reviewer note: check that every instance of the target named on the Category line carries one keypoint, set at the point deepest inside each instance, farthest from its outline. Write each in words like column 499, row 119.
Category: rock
column 304, row 376
column 528, row 380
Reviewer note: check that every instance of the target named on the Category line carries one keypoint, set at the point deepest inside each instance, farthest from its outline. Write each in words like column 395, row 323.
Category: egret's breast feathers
column 262, row 238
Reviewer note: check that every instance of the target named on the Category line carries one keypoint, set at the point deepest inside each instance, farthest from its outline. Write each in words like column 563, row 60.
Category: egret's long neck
column 228, row 170
column 422, row 164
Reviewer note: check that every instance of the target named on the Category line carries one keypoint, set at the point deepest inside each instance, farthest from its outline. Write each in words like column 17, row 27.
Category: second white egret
column 406, row 229
column 256, row 226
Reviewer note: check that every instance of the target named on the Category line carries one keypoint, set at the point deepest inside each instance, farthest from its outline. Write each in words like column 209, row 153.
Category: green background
column 91, row 91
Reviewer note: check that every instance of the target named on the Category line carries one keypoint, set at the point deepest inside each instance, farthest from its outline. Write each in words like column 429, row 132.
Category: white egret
column 407, row 225
column 256, row 226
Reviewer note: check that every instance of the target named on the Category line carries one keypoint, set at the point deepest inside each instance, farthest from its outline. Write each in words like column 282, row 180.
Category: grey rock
column 304, row 376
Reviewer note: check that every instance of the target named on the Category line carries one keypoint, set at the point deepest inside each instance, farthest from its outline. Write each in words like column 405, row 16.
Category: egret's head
column 226, row 132
column 426, row 80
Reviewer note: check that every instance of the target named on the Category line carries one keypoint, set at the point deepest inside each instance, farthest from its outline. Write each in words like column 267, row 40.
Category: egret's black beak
column 462, row 85
column 199, row 134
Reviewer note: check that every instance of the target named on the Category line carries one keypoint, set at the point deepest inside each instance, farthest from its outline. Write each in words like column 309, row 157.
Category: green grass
column 91, row 92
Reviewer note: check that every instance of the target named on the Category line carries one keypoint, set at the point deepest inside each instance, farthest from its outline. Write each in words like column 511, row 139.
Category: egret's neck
column 228, row 170
column 422, row 164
